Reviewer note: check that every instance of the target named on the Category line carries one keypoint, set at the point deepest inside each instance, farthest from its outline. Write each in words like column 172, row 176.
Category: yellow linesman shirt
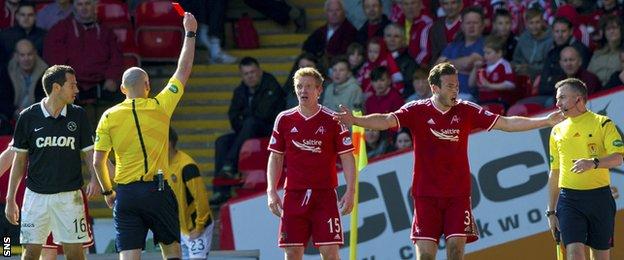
column 586, row 136
column 138, row 131
column 190, row 191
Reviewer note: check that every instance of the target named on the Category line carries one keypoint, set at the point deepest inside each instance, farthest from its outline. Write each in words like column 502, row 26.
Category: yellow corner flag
column 361, row 160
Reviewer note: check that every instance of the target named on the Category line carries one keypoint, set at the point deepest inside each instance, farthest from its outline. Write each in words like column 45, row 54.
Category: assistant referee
column 582, row 149
column 137, row 129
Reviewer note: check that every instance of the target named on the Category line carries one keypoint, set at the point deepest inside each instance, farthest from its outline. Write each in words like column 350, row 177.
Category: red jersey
column 310, row 146
column 384, row 104
column 498, row 72
column 451, row 30
column 419, row 45
column 440, row 141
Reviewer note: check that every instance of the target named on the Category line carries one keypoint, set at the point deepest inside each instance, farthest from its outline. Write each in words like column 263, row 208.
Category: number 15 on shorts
column 334, row 225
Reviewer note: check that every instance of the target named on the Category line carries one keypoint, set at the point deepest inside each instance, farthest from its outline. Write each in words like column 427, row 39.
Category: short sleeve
column 405, row 115
column 169, row 97
column 21, row 140
column 481, row 118
column 612, row 138
column 86, row 134
column 553, row 150
column 277, row 143
column 343, row 142
column 103, row 141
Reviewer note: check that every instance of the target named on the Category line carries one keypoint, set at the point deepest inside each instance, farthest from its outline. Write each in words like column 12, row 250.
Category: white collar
column 45, row 111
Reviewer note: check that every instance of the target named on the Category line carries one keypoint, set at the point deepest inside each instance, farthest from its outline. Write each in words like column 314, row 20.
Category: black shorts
column 587, row 216
column 139, row 206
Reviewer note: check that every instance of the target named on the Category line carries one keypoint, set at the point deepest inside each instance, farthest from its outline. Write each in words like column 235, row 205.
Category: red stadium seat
column 113, row 13
column 525, row 109
column 159, row 33
column 252, row 161
column 131, row 60
column 496, row 108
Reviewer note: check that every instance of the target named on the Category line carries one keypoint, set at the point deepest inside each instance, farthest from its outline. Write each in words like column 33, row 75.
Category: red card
column 178, row 8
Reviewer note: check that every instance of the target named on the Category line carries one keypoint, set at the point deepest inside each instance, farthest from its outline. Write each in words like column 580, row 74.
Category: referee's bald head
column 133, row 77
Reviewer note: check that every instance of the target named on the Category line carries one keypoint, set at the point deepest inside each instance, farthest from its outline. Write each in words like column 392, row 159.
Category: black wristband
column 191, row 34
column 108, row 192
column 596, row 163
column 549, row 213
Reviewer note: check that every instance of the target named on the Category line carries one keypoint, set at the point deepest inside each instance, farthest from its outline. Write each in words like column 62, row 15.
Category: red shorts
column 49, row 244
column 434, row 216
column 310, row 213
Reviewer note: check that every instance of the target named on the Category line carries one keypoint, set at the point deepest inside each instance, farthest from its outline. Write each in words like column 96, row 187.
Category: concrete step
column 194, row 110
column 204, row 102
column 195, row 82
column 266, row 52
column 224, row 95
column 286, row 40
column 201, row 124
column 205, row 116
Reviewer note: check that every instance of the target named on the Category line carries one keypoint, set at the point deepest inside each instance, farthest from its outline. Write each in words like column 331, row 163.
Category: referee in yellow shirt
column 582, row 150
column 137, row 129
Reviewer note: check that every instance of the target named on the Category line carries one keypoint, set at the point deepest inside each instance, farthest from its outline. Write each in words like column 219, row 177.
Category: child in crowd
column 386, row 99
column 344, row 89
column 355, row 54
column 378, row 56
column 502, row 29
column 495, row 78
column 421, row 86
column 376, row 143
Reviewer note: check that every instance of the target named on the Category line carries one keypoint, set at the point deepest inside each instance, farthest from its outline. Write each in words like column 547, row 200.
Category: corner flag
column 361, row 160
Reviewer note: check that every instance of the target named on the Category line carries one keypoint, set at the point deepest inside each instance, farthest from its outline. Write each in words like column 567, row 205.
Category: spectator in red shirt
column 333, row 38
column 308, row 141
column 82, row 43
column 386, row 99
column 377, row 55
column 441, row 188
column 375, row 23
column 417, row 26
column 495, row 78
column 444, row 29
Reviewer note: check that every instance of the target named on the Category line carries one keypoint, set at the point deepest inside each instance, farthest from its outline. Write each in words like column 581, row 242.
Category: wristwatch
column 549, row 213
column 596, row 162
column 108, row 192
column 191, row 34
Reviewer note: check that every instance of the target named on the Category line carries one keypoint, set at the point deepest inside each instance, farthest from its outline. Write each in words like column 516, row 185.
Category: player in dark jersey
column 440, row 127
column 51, row 135
column 308, row 140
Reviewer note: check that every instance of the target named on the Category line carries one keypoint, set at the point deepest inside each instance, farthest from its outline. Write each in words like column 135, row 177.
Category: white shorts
column 197, row 248
column 62, row 213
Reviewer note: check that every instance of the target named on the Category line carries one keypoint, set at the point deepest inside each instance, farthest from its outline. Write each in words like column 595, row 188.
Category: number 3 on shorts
column 467, row 218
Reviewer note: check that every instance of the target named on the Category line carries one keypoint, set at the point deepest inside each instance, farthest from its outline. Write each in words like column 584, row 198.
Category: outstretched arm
column 372, row 121
column 519, row 123
column 187, row 54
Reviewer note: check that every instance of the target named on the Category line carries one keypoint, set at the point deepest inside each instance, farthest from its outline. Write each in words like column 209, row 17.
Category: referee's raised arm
column 187, row 54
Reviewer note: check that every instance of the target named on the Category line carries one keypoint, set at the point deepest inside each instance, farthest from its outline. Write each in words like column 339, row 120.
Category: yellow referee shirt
column 190, row 191
column 138, row 131
column 586, row 136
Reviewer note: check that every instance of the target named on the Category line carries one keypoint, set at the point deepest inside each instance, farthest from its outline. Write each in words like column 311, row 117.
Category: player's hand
column 582, row 165
column 346, row 202
column 93, row 188
column 553, row 224
column 110, row 199
column 11, row 212
column 555, row 118
column 614, row 192
column 275, row 203
column 190, row 23
column 344, row 116
column 195, row 233
column 110, row 85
